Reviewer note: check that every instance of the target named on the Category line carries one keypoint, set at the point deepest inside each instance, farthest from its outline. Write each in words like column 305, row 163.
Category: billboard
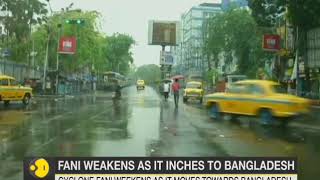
column 67, row 45
column 271, row 42
column 165, row 33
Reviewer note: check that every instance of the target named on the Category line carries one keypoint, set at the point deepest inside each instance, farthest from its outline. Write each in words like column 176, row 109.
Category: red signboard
column 271, row 42
column 68, row 45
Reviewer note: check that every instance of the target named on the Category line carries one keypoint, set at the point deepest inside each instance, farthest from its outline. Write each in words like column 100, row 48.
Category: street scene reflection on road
column 162, row 78
column 141, row 124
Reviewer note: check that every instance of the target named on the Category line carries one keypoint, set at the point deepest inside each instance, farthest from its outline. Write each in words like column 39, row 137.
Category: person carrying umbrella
column 175, row 89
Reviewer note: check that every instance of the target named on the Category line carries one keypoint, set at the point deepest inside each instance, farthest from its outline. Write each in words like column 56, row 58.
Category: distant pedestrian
column 175, row 89
column 166, row 90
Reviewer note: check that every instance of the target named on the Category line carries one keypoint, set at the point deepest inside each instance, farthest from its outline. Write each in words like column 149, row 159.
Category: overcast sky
column 131, row 17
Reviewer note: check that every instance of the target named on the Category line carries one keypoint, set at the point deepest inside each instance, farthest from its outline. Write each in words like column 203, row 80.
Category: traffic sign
column 68, row 45
column 6, row 53
column 271, row 42
column 165, row 68
column 166, row 58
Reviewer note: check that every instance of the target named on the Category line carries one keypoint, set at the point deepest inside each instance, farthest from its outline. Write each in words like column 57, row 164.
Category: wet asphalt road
column 142, row 124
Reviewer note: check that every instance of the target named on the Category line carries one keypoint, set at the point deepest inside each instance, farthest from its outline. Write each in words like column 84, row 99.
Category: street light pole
column 57, row 63
column 46, row 64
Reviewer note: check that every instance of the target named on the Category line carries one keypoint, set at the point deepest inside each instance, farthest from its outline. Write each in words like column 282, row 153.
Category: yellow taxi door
column 16, row 90
column 231, row 103
column 6, row 93
column 252, row 99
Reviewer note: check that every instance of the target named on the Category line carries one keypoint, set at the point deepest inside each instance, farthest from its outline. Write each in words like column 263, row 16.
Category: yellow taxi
column 262, row 98
column 193, row 90
column 10, row 90
column 140, row 84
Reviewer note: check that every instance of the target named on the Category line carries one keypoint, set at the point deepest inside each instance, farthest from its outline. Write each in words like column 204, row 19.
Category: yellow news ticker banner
column 176, row 177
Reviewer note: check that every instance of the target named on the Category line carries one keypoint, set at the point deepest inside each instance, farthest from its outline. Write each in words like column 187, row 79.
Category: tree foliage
column 235, row 33
column 150, row 73
column 21, row 15
column 118, row 52
column 94, row 49
column 302, row 13
column 18, row 16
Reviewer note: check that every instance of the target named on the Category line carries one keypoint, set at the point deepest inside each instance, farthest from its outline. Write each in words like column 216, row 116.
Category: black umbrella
column 167, row 80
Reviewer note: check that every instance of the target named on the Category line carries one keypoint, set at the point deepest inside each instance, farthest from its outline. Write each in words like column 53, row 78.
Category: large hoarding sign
column 67, row 45
column 271, row 42
column 164, row 33
column 166, row 58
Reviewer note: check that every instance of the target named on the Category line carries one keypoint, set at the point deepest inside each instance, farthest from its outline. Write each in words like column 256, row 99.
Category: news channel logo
column 38, row 168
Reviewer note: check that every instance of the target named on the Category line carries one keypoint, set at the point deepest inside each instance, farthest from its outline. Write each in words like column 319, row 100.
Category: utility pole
column 57, row 62
column 45, row 65
column 163, row 66
column 33, row 61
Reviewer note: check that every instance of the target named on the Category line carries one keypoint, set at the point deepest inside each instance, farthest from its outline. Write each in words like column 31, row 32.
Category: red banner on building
column 68, row 45
column 271, row 42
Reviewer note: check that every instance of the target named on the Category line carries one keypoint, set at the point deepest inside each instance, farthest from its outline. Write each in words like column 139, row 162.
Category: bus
column 109, row 78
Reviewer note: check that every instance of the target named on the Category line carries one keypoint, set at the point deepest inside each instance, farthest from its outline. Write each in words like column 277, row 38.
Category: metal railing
column 19, row 71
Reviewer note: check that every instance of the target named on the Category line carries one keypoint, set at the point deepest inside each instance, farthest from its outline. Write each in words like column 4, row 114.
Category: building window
column 197, row 14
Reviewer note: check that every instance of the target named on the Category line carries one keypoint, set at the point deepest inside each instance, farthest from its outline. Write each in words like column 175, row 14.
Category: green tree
column 94, row 49
column 235, row 33
column 118, row 52
column 18, row 18
column 90, row 42
column 150, row 73
column 301, row 13
column 23, row 14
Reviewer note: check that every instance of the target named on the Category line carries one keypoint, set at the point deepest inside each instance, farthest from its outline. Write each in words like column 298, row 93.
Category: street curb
column 61, row 96
column 48, row 96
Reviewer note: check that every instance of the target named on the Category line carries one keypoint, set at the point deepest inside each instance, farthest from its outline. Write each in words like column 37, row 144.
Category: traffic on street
column 142, row 123
column 159, row 90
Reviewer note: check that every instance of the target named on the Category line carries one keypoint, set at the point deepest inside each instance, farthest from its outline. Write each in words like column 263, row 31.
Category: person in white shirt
column 166, row 90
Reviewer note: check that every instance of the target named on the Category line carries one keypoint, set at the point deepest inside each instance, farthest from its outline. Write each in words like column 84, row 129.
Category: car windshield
column 236, row 89
column 193, row 86
column 279, row 89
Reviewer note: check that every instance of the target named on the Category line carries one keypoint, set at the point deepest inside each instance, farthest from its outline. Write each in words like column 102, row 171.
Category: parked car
column 140, row 84
column 261, row 98
column 10, row 90
column 193, row 90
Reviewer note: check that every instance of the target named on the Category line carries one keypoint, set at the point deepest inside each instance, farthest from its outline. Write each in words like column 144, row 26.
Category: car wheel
column 26, row 99
column 266, row 117
column 214, row 112
column 6, row 102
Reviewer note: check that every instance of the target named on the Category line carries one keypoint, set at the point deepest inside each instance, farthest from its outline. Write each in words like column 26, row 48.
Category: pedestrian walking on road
column 175, row 89
column 166, row 90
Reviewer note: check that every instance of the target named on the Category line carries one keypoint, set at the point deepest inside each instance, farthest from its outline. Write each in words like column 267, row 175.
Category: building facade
column 188, row 54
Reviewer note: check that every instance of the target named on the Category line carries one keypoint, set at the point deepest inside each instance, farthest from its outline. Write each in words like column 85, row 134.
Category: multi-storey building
column 188, row 55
